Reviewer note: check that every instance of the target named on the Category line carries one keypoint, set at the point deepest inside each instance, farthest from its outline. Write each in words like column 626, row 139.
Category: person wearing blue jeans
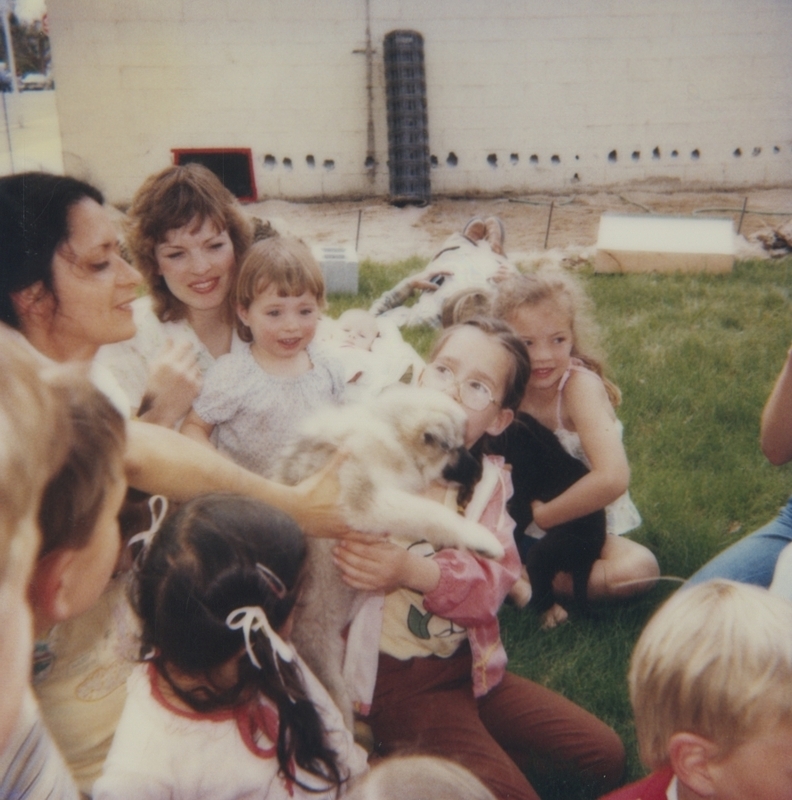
column 753, row 559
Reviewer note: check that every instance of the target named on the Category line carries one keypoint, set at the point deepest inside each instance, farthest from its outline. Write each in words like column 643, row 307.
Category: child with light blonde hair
column 711, row 689
column 253, row 399
column 568, row 394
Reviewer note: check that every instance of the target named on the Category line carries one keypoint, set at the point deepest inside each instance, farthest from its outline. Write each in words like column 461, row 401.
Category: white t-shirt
column 158, row 753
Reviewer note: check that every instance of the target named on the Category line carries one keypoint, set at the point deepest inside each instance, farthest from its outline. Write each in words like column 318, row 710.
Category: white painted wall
column 574, row 79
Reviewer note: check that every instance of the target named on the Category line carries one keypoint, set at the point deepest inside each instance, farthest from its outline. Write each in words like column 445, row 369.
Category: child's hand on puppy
column 373, row 564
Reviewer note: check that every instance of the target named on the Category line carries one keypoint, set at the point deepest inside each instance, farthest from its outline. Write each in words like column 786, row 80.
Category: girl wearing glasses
column 442, row 686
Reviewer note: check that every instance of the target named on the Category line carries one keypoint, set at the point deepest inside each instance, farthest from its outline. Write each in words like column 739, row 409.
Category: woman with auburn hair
column 187, row 235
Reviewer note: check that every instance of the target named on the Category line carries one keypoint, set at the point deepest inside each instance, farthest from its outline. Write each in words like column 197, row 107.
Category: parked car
column 35, row 81
column 6, row 82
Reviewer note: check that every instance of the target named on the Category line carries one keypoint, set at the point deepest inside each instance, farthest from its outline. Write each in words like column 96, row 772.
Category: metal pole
column 6, row 7
column 371, row 158
column 742, row 214
column 549, row 220
column 8, row 135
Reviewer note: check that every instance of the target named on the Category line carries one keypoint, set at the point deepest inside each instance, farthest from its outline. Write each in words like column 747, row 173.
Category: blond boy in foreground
column 711, row 689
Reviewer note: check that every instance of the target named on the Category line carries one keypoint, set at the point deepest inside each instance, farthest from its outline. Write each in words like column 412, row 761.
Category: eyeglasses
column 473, row 394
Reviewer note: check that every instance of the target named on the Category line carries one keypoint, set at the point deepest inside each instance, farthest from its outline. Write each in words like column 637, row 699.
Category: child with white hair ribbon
column 222, row 706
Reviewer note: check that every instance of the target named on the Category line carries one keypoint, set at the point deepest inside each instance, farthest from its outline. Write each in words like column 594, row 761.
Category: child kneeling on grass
column 711, row 690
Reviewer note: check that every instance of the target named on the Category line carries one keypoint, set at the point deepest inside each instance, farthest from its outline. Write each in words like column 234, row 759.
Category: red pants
column 426, row 705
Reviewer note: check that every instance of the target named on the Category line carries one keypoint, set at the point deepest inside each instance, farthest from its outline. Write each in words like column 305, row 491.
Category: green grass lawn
column 695, row 357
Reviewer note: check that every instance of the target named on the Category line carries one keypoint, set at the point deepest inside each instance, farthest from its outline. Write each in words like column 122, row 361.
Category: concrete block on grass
column 339, row 265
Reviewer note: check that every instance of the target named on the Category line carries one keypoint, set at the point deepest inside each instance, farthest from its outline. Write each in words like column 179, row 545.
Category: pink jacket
column 472, row 588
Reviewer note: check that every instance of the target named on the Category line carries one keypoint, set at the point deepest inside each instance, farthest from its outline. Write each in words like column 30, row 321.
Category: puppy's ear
column 501, row 422
column 692, row 759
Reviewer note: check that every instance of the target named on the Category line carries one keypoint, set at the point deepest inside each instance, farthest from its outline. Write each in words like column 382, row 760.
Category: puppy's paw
column 554, row 617
column 477, row 538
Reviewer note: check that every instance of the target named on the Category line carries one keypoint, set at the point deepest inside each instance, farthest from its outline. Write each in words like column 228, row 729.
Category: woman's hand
column 373, row 564
column 314, row 502
column 174, row 382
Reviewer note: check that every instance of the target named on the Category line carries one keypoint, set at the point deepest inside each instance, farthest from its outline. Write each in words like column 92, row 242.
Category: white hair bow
column 253, row 618
column 156, row 521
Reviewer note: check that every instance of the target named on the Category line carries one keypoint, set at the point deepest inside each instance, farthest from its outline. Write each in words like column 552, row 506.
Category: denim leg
column 782, row 577
column 752, row 559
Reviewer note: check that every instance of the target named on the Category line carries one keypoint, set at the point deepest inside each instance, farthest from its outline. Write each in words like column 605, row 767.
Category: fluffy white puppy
column 395, row 445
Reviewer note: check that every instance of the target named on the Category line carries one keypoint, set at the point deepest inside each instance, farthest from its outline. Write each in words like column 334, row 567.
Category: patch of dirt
column 387, row 233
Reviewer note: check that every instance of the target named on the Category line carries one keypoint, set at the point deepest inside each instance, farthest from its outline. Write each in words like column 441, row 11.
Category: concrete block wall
column 523, row 95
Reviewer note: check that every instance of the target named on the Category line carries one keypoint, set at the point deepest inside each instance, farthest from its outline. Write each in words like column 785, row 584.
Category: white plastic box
column 654, row 243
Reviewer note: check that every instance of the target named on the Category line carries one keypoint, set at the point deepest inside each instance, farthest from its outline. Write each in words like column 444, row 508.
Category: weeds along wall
column 523, row 95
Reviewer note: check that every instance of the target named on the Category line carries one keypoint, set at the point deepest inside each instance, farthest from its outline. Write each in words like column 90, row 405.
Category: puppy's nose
column 463, row 468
